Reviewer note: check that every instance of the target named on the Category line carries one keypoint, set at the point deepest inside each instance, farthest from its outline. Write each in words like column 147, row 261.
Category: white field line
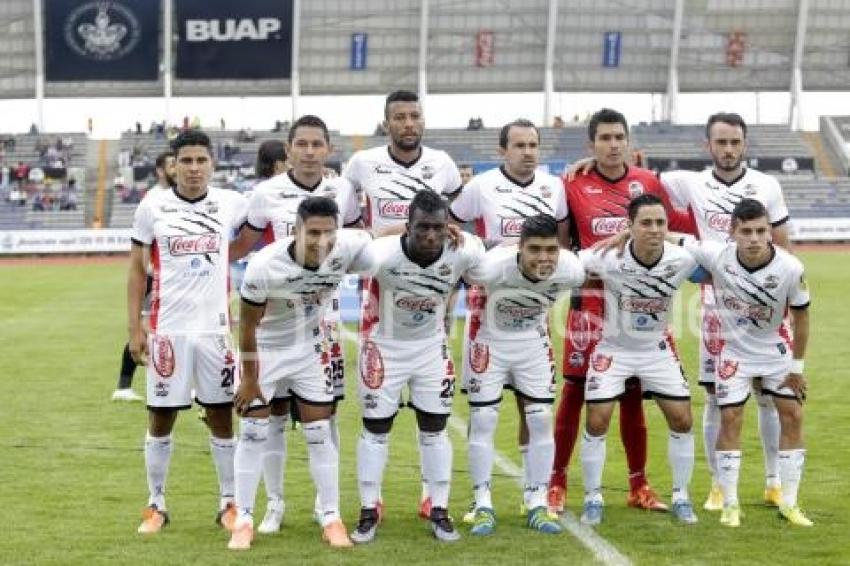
column 601, row 549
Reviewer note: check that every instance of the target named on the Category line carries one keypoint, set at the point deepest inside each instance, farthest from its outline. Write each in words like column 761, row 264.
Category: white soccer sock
column 728, row 469
column 158, row 450
column 253, row 437
column 223, row 452
column 372, row 450
column 540, row 453
column 523, row 455
column 324, row 467
column 436, row 449
column 790, row 472
column 769, row 429
column 680, row 453
column 710, row 431
column 426, row 490
column 274, row 458
column 592, row 463
column 482, row 425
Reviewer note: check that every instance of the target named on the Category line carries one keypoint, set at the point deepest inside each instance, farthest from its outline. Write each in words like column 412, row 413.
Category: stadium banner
column 223, row 39
column 820, row 229
column 64, row 241
column 611, row 49
column 359, row 50
column 102, row 41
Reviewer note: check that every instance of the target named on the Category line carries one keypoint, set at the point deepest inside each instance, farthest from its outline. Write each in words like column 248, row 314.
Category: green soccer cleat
column 794, row 516
column 731, row 516
column 540, row 520
column 484, row 523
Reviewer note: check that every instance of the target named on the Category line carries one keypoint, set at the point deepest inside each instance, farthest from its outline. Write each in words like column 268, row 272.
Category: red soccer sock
column 566, row 430
column 633, row 433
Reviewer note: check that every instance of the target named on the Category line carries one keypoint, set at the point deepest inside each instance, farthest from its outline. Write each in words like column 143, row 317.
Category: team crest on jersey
column 479, row 357
column 371, row 365
column 771, row 282
column 601, row 363
column 545, row 191
column 636, row 189
column 211, row 206
column 727, row 369
column 162, row 356
column 427, row 172
column 335, row 264
column 444, row 270
column 670, row 269
column 750, row 189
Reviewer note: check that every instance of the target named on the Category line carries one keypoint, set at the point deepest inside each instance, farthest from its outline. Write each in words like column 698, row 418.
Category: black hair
column 311, row 121
column 268, row 153
column 646, row 199
column 605, row 116
column 162, row 158
column 731, row 118
column 317, row 206
column 519, row 123
column 191, row 137
column 540, row 225
column 748, row 209
column 428, row 202
column 399, row 96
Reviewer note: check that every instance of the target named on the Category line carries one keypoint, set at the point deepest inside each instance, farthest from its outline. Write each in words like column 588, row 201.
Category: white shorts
column 711, row 338
column 526, row 366
column 386, row 367
column 180, row 363
column 331, row 325
column 658, row 369
column 735, row 379
column 304, row 373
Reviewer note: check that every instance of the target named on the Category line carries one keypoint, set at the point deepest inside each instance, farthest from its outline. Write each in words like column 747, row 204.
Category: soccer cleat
column 731, row 515
column 226, row 517
column 380, row 509
column 773, row 496
column 127, row 395
column 556, row 498
column 714, row 502
column 367, row 526
column 794, row 516
column 335, row 535
column 241, row 534
column 442, row 526
column 684, row 512
column 644, row 498
column 469, row 516
column 523, row 510
column 425, row 508
column 542, row 521
column 152, row 520
column 272, row 519
column 592, row 513
column 484, row 522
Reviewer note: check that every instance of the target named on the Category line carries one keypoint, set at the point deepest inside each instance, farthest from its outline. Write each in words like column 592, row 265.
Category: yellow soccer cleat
column 794, row 516
column 715, row 499
column 731, row 516
column 773, row 496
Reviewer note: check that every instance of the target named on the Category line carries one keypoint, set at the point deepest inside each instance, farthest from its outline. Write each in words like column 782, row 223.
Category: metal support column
column 671, row 103
column 295, row 78
column 548, row 71
column 423, row 53
column 167, row 62
column 38, row 32
column 795, row 111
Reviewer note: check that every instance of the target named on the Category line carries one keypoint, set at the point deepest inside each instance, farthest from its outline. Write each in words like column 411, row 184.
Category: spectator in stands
column 559, row 122
column 39, row 201
column 246, row 135
column 68, row 200
column 40, row 148
column 22, row 172
column 138, row 128
column 34, row 129
column 466, row 173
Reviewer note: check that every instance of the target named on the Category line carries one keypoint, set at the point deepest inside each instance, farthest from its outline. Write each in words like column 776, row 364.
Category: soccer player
column 403, row 342
column 639, row 291
column 285, row 353
column 272, row 213
column 124, row 391
column 186, row 231
column 511, row 349
column 754, row 284
column 597, row 203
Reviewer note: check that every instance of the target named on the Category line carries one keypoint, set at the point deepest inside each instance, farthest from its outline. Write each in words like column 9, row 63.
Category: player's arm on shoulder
column 454, row 184
column 464, row 207
column 593, row 263
column 572, row 269
column 704, row 252
column 483, row 272
column 363, row 261
column 349, row 204
column 136, row 279
column 676, row 185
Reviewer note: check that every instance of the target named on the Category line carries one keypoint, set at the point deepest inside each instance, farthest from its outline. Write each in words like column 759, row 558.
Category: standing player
column 272, row 213
column 287, row 287
column 186, row 231
column 754, row 284
column 403, row 342
column 597, row 204
column 639, row 291
column 124, row 391
column 511, row 349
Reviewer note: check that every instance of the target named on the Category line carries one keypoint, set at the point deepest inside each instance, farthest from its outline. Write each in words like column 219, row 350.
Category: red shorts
column 584, row 329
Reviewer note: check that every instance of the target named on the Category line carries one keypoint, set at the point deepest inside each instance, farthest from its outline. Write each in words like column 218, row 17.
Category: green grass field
column 73, row 483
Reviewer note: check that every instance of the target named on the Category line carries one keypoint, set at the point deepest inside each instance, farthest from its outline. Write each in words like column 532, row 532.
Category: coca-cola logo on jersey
column 654, row 305
column 515, row 311
column 194, row 244
column 417, row 304
column 760, row 313
column 719, row 221
column 393, row 208
column 512, row 226
column 608, row 225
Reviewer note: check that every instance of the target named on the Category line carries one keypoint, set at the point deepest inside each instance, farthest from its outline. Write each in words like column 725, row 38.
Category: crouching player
column 639, row 290
column 288, row 286
column 511, row 349
column 755, row 283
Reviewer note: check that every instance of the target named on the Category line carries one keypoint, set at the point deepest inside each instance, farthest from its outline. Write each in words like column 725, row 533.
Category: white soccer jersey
column 407, row 302
column 274, row 202
column 638, row 297
column 752, row 303
column 516, row 306
column 712, row 200
column 499, row 204
column 296, row 297
column 389, row 185
column 189, row 255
